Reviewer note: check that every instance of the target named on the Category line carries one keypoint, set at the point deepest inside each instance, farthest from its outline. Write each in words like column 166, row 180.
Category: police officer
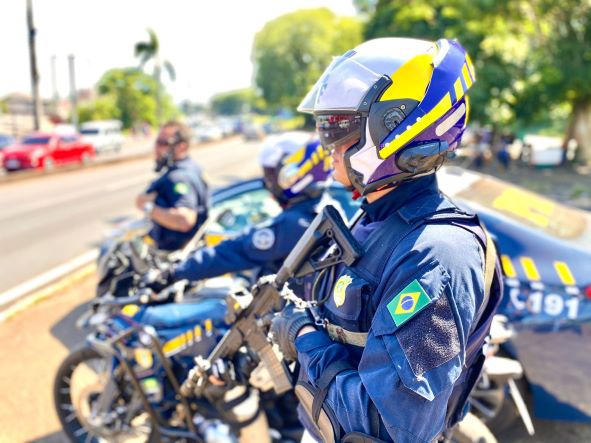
column 295, row 169
column 404, row 327
column 177, row 201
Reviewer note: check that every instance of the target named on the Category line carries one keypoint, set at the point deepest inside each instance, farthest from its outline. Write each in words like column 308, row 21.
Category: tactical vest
column 378, row 248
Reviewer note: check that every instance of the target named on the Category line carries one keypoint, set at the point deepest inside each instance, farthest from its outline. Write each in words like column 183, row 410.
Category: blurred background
column 98, row 78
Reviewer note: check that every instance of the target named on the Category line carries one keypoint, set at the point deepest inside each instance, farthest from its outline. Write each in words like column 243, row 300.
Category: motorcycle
column 498, row 385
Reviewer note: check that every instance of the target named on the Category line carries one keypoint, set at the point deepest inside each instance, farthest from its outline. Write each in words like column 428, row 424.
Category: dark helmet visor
column 336, row 130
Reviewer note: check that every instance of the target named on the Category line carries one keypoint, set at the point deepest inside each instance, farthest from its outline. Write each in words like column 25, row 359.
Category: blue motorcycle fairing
column 183, row 315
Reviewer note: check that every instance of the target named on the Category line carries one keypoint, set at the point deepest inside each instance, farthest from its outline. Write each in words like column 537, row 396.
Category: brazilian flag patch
column 181, row 188
column 408, row 302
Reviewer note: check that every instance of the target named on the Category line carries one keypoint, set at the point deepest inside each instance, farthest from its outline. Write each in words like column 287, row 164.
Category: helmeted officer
column 405, row 325
column 177, row 202
column 295, row 169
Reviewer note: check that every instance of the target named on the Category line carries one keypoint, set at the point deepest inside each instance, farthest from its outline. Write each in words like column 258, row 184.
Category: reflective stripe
column 564, row 273
column 529, row 267
column 458, row 89
column 508, row 268
column 466, row 75
column 421, row 124
column 347, row 337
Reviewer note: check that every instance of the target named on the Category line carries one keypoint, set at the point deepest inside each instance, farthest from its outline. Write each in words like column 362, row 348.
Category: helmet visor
column 342, row 87
column 336, row 130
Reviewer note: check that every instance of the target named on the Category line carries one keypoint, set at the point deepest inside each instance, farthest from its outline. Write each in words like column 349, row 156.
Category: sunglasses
column 170, row 142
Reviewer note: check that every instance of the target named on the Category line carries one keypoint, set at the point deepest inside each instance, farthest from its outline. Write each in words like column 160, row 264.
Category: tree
column 150, row 52
column 134, row 93
column 292, row 51
column 103, row 108
column 495, row 34
column 233, row 102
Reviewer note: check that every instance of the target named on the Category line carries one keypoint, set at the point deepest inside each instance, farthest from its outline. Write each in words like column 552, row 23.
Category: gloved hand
column 157, row 279
column 285, row 327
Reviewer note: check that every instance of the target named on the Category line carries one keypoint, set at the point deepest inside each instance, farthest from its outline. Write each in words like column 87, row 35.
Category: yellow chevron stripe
column 458, row 89
column 470, row 67
column 466, row 76
column 529, row 267
column 508, row 268
column 197, row 333
column 412, row 131
column 564, row 273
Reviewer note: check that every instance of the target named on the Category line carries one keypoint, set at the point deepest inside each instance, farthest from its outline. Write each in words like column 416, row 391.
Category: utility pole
column 55, row 96
column 73, row 93
column 34, row 73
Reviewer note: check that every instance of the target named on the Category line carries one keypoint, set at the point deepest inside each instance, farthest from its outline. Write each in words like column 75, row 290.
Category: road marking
column 48, row 277
column 36, row 205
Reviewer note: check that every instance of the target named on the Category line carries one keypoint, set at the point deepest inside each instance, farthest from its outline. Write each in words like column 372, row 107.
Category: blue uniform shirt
column 181, row 186
column 418, row 317
column 264, row 246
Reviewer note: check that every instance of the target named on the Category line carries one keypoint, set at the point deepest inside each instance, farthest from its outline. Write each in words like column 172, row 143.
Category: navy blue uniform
column 264, row 246
column 413, row 300
column 181, row 186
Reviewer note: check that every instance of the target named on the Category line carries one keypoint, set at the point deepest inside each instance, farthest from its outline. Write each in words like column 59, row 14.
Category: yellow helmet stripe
column 420, row 125
column 458, row 89
column 411, row 80
column 467, row 78
column 470, row 67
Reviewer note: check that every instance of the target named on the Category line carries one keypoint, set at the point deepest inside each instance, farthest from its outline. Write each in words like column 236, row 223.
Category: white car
column 103, row 135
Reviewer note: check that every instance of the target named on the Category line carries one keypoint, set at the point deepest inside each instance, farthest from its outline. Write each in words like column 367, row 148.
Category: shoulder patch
column 340, row 289
column 410, row 301
column 263, row 239
column 181, row 188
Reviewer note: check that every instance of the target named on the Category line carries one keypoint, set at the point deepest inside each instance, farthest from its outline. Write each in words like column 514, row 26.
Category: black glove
column 157, row 280
column 285, row 327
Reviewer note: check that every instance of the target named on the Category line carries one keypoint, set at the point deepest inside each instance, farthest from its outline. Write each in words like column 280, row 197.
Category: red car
column 42, row 150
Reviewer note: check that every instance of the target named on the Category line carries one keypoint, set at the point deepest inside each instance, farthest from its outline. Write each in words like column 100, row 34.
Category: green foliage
column 495, row 34
column 292, row 51
column 134, row 95
column 103, row 108
column 233, row 102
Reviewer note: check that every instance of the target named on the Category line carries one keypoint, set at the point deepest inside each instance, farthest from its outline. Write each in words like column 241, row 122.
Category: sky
column 208, row 42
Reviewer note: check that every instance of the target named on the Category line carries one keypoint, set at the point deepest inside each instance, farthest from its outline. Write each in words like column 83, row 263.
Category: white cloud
column 209, row 43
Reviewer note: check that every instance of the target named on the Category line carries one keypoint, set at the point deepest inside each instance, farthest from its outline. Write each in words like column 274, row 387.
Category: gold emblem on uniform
column 340, row 289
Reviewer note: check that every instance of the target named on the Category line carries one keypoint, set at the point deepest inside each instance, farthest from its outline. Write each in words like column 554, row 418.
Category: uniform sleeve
column 414, row 351
column 180, row 193
column 257, row 247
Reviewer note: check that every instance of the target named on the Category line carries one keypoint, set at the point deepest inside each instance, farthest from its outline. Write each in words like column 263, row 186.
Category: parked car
column 207, row 132
column 5, row 140
column 104, row 135
column 43, row 150
column 545, row 250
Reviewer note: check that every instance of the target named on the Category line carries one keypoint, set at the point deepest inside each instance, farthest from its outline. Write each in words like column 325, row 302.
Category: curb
column 46, row 284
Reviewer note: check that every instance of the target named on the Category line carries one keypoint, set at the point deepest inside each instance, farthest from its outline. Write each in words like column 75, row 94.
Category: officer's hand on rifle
column 285, row 328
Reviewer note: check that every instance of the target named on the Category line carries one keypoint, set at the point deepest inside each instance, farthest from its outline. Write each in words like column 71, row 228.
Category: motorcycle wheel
column 79, row 383
column 472, row 430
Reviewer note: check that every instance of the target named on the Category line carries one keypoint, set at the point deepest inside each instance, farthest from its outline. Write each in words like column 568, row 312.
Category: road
column 49, row 220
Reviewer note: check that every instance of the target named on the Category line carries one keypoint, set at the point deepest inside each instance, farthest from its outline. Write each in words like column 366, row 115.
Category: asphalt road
column 49, row 220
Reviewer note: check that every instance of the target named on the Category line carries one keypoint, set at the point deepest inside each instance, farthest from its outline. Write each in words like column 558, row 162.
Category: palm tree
column 150, row 52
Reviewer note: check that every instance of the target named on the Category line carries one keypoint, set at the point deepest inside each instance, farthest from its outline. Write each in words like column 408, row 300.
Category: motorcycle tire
column 472, row 430
column 508, row 416
column 70, row 419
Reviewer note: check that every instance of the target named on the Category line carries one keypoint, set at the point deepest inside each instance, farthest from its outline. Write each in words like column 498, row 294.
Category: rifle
column 326, row 242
